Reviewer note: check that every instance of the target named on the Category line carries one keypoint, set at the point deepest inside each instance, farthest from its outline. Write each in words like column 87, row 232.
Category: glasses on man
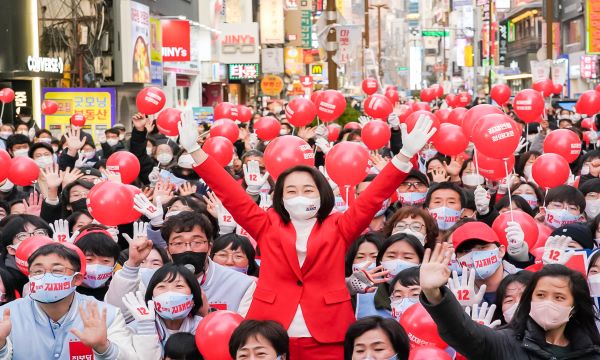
column 57, row 271
column 417, row 185
column 562, row 206
column 413, row 226
column 194, row 245
column 26, row 234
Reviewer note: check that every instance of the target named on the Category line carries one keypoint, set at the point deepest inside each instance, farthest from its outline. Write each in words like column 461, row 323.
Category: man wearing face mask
column 112, row 143
column 24, row 117
column 413, row 190
column 445, row 202
column 18, row 145
column 591, row 191
column 564, row 205
column 379, row 218
column 189, row 238
column 477, row 246
column 6, row 130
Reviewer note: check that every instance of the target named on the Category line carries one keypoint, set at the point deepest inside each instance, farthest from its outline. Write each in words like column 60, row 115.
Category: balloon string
column 2, row 113
column 508, row 187
column 476, row 162
column 347, row 194
column 526, row 135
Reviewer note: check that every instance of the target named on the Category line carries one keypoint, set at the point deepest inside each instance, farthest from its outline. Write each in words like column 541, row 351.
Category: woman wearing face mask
column 530, row 192
column 591, row 191
column 254, row 339
column 518, row 203
column 413, row 221
column 376, row 338
column 555, row 317
column 236, row 252
column 405, row 290
column 524, row 164
column 164, row 155
column 469, row 177
column 590, row 166
column 301, row 214
column 593, row 277
column 509, row 295
column 399, row 252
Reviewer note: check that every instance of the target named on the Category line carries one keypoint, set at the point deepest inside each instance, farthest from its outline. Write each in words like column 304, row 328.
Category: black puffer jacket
column 476, row 341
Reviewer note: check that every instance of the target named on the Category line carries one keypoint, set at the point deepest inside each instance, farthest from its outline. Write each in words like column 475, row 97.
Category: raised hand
column 331, row 182
column 164, row 191
column 556, row 250
column 154, row 212
column 139, row 121
column 323, row 144
column 363, row 120
column 187, row 189
column 439, row 175
column 74, row 141
column 394, row 121
column 453, row 168
column 306, row 132
column 140, row 246
column 188, row 134
column 112, row 176
column 94, row 332
column 482, row 200
column 253, row 178
column 70, row 175
column 82, row 160
column 226, row 222
column 378, row 161
column 5, row 327
column 414, row 141
column 434, row 272
column 135, row 303
column 33, row 206
column 60, row 231
column 321, row 132
column 483, row 315
column 516, row 239
column 53, row 176
column 464, row 288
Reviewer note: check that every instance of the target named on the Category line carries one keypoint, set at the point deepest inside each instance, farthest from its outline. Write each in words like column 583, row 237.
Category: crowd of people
column 413, row 266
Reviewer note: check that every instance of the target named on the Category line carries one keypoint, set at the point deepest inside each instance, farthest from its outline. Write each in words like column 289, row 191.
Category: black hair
column 168, row 272
column 522, row 161
column 17, row 139
column 538, row 192
column 43, row 131
column 446, row 185
column 522, row 277
column 59, row 250
column 592, row 185
column 583, row 316
column 182, row 346
column 407, row 277
column 567, row 194
column 65, row 193
column 271, row 330
column 98, row 243
column 184, row 222
column 38, row 145
column 394, row 331
column 198, row 205
column 74, row 217
column 9, row 283
column 469, row 199
column 325, row 193
column 410, row 239
column 253, row 153
column 237, row 242
column 589, row 156
column 162, row 252
column 112, row 131
column 595, row 255
column 15, row 224
column 373, row 237
column 518, row 201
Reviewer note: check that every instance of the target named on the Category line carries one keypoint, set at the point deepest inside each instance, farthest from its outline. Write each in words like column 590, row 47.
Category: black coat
column 476, row 341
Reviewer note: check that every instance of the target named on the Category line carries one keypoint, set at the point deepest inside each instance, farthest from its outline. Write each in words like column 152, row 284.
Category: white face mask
column 302, row 208
column 25, row 118
column 121, row 137
column 164, row 158
column 417, row 234
column 45, row 140
column 510, row 312
column 5, row 134
column 527, row 171
column 112, row 142
column 531, row 137
column 185, row 161
column 55, row 148
column 472, row 179
column 7, row 186
column 44, row 161
column 21, row 152
column 592, row 208
column 585, row 170
column 23, row 132
column 149, row 151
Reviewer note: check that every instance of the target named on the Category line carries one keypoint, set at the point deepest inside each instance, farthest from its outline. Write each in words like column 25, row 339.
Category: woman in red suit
column 301, row 283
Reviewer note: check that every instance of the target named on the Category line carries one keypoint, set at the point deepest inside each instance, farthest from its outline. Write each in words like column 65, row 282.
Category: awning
column 519, row 9
column 517, row 77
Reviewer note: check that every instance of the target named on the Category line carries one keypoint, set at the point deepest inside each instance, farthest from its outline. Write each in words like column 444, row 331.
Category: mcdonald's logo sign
column 316, row 69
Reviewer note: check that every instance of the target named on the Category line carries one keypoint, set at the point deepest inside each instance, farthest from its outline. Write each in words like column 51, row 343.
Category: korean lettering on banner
column 243, row 71
column 306, row 29
column 503, row 46
column 346, row 36
column 589, row 66
column 271, row 22
column 592, row 26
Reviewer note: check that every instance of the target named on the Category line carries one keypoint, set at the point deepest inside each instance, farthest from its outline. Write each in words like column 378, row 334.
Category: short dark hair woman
column 236, row 252
column 375, row 337
column 265, row 339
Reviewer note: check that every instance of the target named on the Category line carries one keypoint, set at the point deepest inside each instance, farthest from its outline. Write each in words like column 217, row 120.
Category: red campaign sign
column 175, row 40
column 306, row 81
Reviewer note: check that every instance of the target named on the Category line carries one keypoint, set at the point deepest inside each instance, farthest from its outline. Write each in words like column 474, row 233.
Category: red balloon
column 544, row 232
column 7, row 95
column 392, row 95
column 427, row 95
column 220, row 148
column 597, row 88
column 528, row 105
column 347, row 163
column 131, row 215
column 369, row 86
column 476, row 113
column 589, row 123
column 545, row 87
column 244, row 113
column 167, row 122
column 5, row 163
column 124, row 163
column 285, row 152
column 333, row 132
column 23, row 171
column 452, row 100
column 420, row 327
column 150, row 100
column 80, row 253
column 528, row 224
column 378, row 107
column 496, row 135
column 464, row 99
column 108, row 201
column 226, row 128
column 267, row 128
column 331, row 105
column 442, row 115
column 316, row 96
column 493, row 169
column 421, row 106
column 403, row 112
column 376, row 134
column 213, row 334
column 428, row 353
column 588, row 103
column 411, row 121
column 300, row 112
column 352, row 125
column 557, row 89
column 223, row 110
column 563, row 142
column 451, row 140
column 28, row 247
column 550, row 170
column 78, row 120
column 457, row 116
column 500, row 93
column 438, row 90
column 49, row 107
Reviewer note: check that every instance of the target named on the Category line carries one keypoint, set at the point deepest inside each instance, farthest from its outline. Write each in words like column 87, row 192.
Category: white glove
column 188, row 134
column 253, row 178
column 226, row 223
column 359, row 282
column 321, row 132
column 31, row 133
column 114, row 232
column 331, row 183
column 323, row 144
column 413, row 143
column 154, row 176
column 154, row 212
column 141, row 312
column 482, row 200
column 593, row 136
column 521, row 145
column 140, row 229
column 556, row 251
column 517, row 247
column 363, row 120
column 464, row 287
column 60, row 231
column 82, row 160
column 483, row 315
column 394, row 121
column 253, row 140
column 265, row 201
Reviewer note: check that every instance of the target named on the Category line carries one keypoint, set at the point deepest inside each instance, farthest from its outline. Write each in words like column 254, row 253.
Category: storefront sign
column 272, row 60
column 243, row 71
column 239, row 43
column 156, row 69
column 97, row 105
column 348, row 37
column 175, row 40
column 592, row 27
column 45, row 64
column 589, row 67
column 503, row 43
column 271, row 85
column 293, row 61
column 271, row 22
column 203, row 114
column 306, row 81
column 316, row 70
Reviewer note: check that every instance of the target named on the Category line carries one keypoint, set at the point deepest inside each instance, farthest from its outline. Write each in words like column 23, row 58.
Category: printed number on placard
column 554, row 255
column 463, row 295
column 227, row 218
column 142, row 311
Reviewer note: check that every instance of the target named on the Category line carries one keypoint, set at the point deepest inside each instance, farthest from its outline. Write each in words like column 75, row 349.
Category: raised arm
column 244, row 210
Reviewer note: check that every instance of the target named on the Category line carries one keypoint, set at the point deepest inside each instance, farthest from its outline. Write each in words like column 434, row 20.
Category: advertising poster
column 156, row 70
column 140, row 38
column 203, row 114
column 97, row 105
column 592, row 27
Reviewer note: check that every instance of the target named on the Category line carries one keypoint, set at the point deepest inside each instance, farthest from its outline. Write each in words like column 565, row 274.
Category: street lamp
column 379, row 7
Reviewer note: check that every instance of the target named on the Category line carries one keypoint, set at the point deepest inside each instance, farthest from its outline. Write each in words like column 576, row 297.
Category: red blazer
column 319, row 286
